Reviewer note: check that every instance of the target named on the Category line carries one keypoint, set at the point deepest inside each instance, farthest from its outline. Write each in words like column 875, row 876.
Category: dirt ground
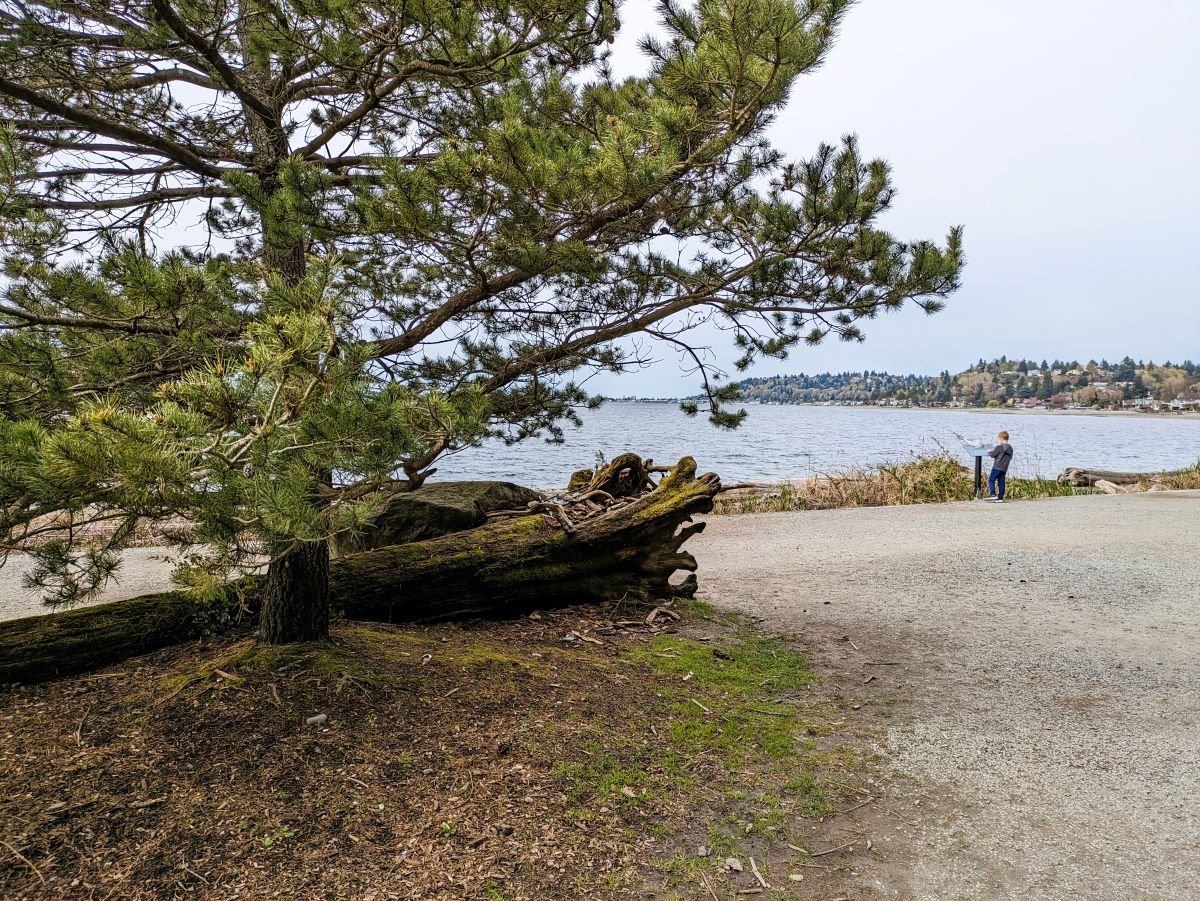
column 1026, row 675
column 579, row 755
column 1035, row 694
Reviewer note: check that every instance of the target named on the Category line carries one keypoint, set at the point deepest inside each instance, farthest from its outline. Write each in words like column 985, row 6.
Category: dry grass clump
column 1178, row 480
column 936, row 479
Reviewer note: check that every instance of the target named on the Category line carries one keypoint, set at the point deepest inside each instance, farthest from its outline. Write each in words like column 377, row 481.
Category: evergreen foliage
column 267, row 262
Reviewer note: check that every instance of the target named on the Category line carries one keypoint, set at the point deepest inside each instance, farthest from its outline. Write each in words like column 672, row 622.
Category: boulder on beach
column 434, row 510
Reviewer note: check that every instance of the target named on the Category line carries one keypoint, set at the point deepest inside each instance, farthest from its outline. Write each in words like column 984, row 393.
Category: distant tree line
column 831, row 386
column 1000, row 382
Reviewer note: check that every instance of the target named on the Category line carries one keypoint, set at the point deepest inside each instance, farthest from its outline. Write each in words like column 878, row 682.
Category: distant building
column 1144, row 403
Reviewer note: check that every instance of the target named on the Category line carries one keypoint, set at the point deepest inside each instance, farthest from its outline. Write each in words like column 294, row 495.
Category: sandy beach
column 143, row 570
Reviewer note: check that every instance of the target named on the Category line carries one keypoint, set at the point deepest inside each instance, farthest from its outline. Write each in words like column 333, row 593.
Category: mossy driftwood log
column 631, row 551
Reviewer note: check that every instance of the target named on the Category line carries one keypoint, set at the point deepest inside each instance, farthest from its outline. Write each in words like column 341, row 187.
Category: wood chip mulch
column 394, row 763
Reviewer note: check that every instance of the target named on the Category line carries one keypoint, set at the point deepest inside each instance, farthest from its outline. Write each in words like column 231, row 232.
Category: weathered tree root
column 629, row 550
column 593, row 494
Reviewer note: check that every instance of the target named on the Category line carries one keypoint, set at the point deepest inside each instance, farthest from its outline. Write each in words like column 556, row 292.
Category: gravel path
column 1042, row 692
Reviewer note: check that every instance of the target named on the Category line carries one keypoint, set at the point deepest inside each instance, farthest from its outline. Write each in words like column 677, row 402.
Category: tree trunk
column 295, row 595
column 505, row 566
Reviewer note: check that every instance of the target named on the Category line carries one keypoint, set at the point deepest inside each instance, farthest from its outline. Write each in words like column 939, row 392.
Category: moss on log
column 432, row 510
column 629, row 552
column 56, row 644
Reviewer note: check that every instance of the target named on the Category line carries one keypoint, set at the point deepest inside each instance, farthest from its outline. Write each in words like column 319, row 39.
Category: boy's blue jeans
column 996, row 480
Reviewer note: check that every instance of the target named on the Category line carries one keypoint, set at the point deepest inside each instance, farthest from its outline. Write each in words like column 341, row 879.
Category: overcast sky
column 1065, row 136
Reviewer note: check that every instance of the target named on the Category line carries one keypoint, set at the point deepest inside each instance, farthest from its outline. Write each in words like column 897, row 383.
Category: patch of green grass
column 683, row 868
column 728, row 709
column 601, row 777
column 750, row 669
column 611, row 883
column 696, row 608
column 770, row 815
column 811, row 798
column 721, row 844
column 661, row 830
column 736, row 683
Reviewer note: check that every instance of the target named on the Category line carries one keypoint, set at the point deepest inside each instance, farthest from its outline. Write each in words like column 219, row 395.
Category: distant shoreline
column 993, row 411
column 1009, row 411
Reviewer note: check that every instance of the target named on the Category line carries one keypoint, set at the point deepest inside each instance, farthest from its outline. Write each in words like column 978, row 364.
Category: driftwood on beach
column 578, row 547
column 1087, row 478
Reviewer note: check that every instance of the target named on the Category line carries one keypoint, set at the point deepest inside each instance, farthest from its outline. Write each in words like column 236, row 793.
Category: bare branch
column 186, row 156
column 211, row 55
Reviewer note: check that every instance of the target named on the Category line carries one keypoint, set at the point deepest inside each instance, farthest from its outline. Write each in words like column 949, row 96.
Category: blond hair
column 1003, row 436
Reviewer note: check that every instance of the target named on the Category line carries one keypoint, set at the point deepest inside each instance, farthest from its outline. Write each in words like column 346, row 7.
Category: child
column 1001, row 455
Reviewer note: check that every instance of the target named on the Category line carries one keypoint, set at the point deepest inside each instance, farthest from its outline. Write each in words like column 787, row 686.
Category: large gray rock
column 432, row 510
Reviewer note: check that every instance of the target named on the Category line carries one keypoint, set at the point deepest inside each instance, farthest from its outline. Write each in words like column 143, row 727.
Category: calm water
column 791, row 441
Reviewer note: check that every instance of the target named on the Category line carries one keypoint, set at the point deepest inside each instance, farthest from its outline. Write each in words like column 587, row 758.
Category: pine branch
column 135, row 326
column 188, row 157
column 147, row 199
column 218, row 63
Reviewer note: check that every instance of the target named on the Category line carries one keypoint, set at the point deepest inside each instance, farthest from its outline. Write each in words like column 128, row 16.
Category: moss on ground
column 621, row 757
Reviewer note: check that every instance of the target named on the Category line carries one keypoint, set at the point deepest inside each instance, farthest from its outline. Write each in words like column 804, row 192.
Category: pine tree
column 267, row 263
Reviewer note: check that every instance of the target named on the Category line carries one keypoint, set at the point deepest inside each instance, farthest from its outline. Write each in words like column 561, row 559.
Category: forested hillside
column 1060, row 384
column 840, row 387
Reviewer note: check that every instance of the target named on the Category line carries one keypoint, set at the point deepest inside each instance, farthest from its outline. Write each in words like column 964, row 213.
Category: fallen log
column 1087, row 478
column 505, row 566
